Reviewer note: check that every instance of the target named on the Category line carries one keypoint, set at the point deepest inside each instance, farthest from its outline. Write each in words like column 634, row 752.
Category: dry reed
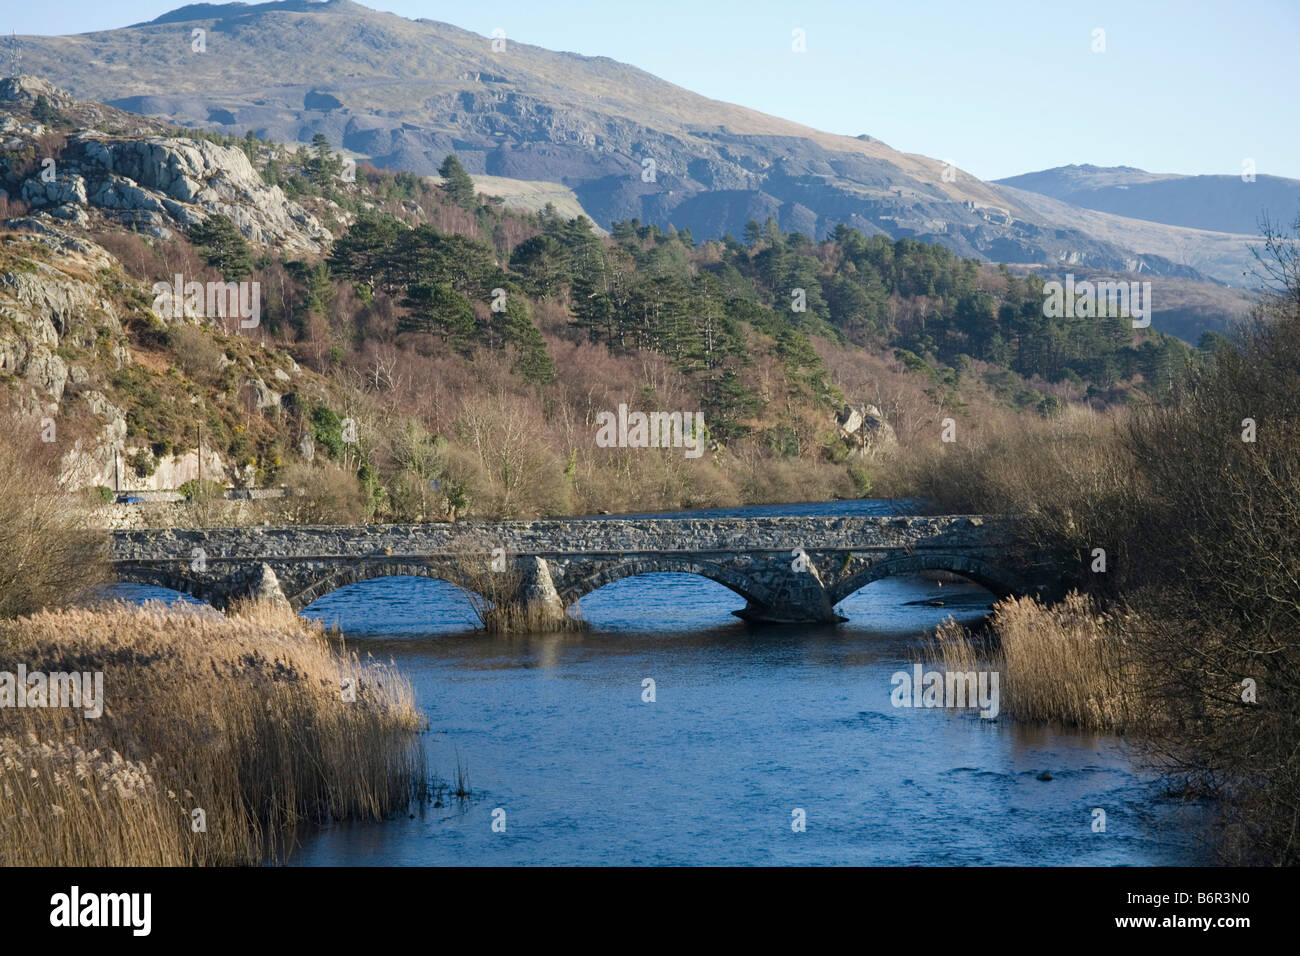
column 243, row 718
column 1067, row 663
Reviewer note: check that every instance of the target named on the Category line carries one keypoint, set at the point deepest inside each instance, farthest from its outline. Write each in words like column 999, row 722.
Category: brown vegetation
column 243, row 718
column 1196, row 503
column 1067, row 663
column 48, row 553
column 494, row 584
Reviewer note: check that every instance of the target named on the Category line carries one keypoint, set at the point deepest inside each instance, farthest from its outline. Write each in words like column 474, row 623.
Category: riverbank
column 217, row 739
column 1181, row 518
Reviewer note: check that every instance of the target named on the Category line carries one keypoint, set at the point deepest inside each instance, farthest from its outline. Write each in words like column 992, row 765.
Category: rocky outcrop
column 865, row 430
column 54, row 305
column 153, row 184
column 49, row 297
column 157, row 185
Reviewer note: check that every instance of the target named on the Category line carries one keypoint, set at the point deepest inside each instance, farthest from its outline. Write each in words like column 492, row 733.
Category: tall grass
column 242, row 718
column 1067, row 663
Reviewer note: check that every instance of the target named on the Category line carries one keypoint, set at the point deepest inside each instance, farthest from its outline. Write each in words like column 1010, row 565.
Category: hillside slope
column 406, row 93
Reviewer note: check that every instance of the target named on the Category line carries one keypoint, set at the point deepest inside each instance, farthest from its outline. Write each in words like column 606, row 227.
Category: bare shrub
column 323, row 494
column 197, row 353
column 519, row 472
column 49, row 553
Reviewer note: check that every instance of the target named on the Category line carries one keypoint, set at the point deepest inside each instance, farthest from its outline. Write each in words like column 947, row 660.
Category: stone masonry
column 788, row 569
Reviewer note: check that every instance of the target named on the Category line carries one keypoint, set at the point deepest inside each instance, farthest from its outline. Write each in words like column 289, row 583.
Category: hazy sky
column 1184, row 87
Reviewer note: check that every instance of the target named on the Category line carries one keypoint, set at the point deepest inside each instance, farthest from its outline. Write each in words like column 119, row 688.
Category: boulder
column 865, row 430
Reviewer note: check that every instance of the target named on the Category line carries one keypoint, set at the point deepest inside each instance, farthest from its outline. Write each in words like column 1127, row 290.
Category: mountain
column 1226, row 204
column 405, row 93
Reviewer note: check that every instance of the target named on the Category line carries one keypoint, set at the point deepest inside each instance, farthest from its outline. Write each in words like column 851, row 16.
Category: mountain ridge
column 405, row 93
column 1212, row 202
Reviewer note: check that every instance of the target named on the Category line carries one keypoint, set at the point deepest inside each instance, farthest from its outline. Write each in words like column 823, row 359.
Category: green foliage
column 142, row 463
column 223, row 246
column 327, row 430
column 363, row 255
column 437, row 308
column 531, row 360
column 208, row 490
column 324, row 166
column 544, row 264
column 457, row 185
column 318, row 287
column 43, row 111
column 861, row 478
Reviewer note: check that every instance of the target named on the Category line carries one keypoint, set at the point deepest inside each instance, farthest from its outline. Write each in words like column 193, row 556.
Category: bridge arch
column 728, row 577
column 1001, row 582
column 209, row 592
column 366, row 571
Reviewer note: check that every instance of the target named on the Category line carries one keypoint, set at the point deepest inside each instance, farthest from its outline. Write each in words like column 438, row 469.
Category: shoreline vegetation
column 1183, row 631
column 221, row 738
column 1064, row 663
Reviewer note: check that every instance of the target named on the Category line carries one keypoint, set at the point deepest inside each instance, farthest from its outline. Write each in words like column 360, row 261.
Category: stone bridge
column 788, row 569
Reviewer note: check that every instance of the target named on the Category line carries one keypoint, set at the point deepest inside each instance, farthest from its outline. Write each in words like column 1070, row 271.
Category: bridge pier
column 797, row 596
column 537, row 590
column 787, row 614
column 255, row 582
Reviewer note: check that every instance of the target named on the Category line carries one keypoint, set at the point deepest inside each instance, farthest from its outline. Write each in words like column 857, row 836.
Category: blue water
column 748, row 726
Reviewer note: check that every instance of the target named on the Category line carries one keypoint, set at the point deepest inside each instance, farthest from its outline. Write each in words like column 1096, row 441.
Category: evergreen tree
column 543, row 262
column 457, row 185
column 365, row 254
column 43, row 111
column 531, row 360
column 439, row 309
column 223, row 246
column 323, row 166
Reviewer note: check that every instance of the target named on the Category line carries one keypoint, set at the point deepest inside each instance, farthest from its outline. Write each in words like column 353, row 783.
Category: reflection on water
column 747, row 725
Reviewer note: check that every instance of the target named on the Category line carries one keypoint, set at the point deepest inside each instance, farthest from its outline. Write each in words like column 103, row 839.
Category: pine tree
column 324, row 165
column 439, row 309
column 43, row 111
column 223, row 246
column 365, row 254
column 543, row 262
column 457, row 185
column 531, row 360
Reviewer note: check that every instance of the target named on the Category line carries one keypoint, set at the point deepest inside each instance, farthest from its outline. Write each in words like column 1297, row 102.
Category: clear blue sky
column 998, row 87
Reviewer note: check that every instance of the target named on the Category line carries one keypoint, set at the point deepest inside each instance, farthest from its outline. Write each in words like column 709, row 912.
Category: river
column 748, row 727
